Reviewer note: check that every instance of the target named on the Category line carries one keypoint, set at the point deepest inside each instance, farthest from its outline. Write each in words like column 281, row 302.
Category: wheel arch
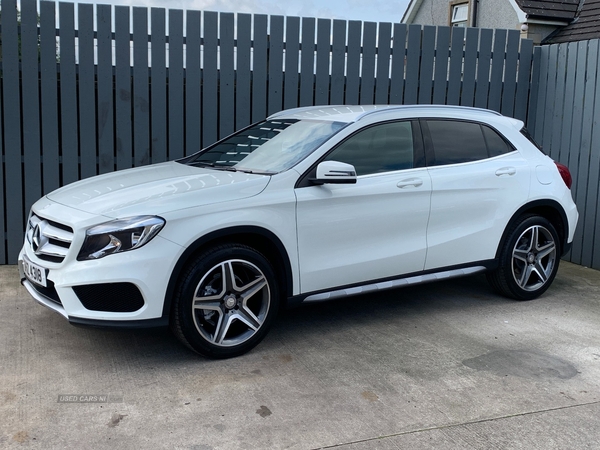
column 260, row 239
column 550, row 210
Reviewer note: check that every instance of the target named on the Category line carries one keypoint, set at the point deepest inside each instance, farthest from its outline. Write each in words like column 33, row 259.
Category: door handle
column 506, row 171
column 410, row 182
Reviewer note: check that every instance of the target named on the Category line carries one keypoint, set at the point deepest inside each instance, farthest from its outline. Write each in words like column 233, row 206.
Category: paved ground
column 446, row 366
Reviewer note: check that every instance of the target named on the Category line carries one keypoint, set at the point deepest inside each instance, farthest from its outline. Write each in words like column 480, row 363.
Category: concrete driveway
column 447, row 365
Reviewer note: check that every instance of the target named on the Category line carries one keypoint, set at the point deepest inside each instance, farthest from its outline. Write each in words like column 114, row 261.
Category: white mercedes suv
column 311, row 204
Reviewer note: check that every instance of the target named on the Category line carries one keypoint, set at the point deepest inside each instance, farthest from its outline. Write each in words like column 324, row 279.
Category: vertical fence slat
column 49, row 97
column 275, row 97
column 510, row 73
column 292, row 58
column 353, row 62
column 398, row 53
column 467, row 97
column 456, row 64
column 413, row 55
column 523, row 77
column 141, row 89
column 338, row 62
column 495, row 95
column 68, row 95
column 175, row 91
column 591, row 139
column 209, row 79
column 384, row 47
column 193, row 101
column 534, row 90
column 579, row 155
column 562, row 110
column 158, row 86
column 227, row 76
column 307, row 60
column 426, row 73
column 322, row 62
column 242, row 97
column 123, row 92
column 440, row 84
column 259, row 68
column 12, row 131
column 367, row 73
column 106, row 160
column 86, row 91
column 550, row 93
column 3, row 235
column 32, row 172
column 483, row 68
column 542, row 94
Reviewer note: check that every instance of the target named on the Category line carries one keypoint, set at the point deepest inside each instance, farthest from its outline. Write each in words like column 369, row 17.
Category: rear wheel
column 225, row 302
column 529, row 259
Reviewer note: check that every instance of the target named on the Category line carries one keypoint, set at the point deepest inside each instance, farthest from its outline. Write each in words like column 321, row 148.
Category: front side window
column 380, row 148
column 456, row 142
column 267, row 147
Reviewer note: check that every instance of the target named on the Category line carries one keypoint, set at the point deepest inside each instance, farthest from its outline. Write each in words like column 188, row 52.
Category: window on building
column 459, row 14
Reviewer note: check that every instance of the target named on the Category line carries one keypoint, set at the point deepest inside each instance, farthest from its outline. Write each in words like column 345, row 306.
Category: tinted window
column 456, row 142
column 495, row 144
column 380, row 148
column 525, row 132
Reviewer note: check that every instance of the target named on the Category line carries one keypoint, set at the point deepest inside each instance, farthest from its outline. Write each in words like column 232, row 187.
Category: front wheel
column 529, row 259
column 225, row 302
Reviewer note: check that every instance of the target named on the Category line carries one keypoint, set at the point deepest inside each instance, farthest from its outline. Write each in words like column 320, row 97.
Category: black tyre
column 225, row 302
column 529, row 259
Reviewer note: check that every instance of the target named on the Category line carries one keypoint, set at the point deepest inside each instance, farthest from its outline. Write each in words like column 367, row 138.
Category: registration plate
column 34, row 273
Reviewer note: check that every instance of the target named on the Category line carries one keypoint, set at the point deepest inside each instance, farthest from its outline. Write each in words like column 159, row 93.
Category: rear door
column 478, row 181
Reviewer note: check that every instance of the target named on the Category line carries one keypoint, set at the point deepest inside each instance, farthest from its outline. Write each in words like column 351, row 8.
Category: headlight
column 119, row 236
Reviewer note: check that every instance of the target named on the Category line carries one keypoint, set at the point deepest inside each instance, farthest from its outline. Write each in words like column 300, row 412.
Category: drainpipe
column 474, row 21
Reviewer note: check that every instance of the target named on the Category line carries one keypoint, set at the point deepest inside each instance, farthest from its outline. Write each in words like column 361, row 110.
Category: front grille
column 49, row 291
column 49, row 240
column 110, row 297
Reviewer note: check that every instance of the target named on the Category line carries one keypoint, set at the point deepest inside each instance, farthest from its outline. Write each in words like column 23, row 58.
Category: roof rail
column 443, row 107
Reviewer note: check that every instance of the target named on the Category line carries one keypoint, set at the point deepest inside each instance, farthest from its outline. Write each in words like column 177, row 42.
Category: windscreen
column 267, row 147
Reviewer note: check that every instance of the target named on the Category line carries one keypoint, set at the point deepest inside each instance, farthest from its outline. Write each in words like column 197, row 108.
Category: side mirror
column 335, row 172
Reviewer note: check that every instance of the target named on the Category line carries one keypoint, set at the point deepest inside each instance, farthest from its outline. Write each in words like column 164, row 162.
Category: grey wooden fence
column 92, row 108
column 564, row 118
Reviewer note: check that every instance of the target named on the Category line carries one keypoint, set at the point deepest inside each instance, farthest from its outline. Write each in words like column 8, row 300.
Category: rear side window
column 457, row 142
column 525, row 132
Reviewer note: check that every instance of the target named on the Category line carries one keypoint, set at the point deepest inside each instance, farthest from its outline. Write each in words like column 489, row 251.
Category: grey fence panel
column 467, row 97
column 193, row 83
column 87, row 91
column 322, row 62
column 175, row 91
column 427, row 59
column 456, row 65
column 440, row 83
column 552, row 100
column 275, row 96
column 590, row 139
column 562, row 114
column 367, row 74
column 31, row 106
column 495, row 95
column 123, row 94
column 307, row 60
column 534, row 100
column 259, row 69
column 398, row 55
column 413, row 55
column 68, row 95
column 382, row 78
column 338, row 62
column 158, row 86
column 578, row 161
column 227, row 76
column 12, row 132
column 353, row 62
column 510, row 73
column 106, row 158
column 523, row 75
column 483, row 68
column 49, row 98
column 3, row 191
column 121, row 98
column 243, row 80
column 540, row 97
column 210, row 79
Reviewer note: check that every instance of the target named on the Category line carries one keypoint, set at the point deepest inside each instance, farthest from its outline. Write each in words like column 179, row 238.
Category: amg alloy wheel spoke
column 545, row 250
column 252, row 288
column 521, row 255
